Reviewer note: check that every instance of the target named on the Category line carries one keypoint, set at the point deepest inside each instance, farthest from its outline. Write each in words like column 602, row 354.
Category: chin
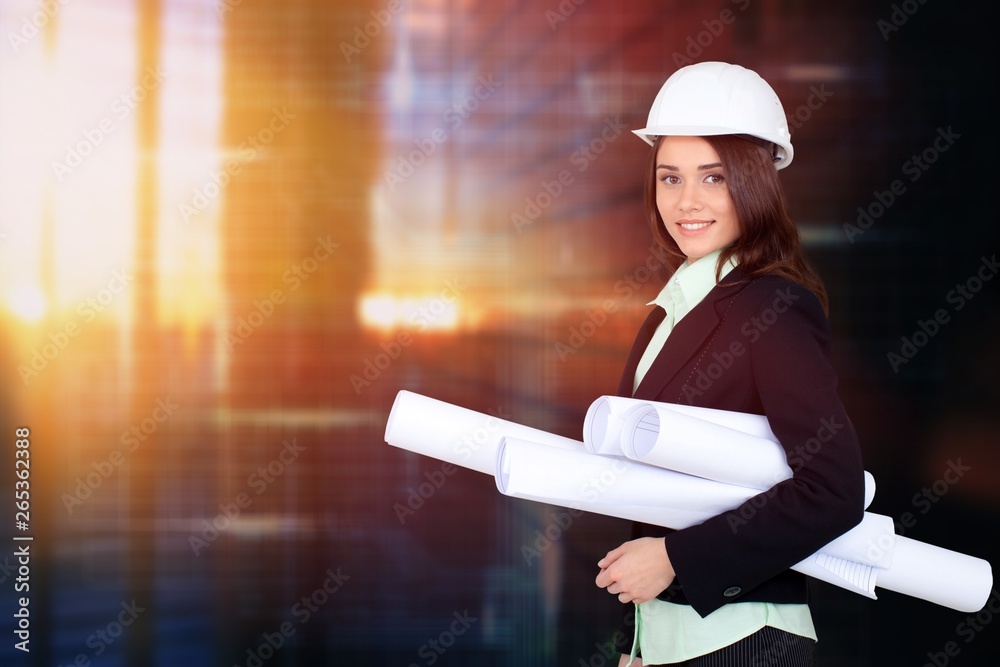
column 695, row 253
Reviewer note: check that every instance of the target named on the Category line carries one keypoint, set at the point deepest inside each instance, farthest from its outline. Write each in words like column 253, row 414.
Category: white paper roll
column 580, row 480
column 457, row 435
column 535, row 465
column 725, row 446
column 871, row 542
column 869, row 489
column 666, row 438
column 534, row 470
column 856, row 577
column 604, row 485
column 603, row 423
column 604, row 418
column 941, row 576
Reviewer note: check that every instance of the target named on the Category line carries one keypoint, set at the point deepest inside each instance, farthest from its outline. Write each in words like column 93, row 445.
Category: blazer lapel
column 638, row 347
column 689, row 335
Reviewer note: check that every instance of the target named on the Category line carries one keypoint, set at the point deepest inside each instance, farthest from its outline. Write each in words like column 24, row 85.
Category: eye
column 670, row 179
column 715, row 179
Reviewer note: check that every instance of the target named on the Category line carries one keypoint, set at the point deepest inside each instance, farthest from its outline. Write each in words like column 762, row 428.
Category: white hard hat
column 713, row 98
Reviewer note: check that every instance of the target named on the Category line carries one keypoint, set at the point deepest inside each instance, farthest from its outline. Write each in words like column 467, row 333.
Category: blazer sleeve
column 728, row 555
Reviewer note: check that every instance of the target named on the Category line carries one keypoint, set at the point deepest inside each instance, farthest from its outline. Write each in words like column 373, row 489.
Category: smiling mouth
column 694, row 226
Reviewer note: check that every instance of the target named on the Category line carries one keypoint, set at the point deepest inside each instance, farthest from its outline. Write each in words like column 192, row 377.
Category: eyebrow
column 701, row 167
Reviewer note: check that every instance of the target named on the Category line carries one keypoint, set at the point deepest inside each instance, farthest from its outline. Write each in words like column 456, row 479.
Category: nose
column 690, row 198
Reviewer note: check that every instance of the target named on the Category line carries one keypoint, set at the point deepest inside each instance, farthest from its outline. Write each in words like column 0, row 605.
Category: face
column 692, row 196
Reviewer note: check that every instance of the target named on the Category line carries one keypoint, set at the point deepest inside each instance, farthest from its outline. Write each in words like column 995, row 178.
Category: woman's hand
column 637, row 571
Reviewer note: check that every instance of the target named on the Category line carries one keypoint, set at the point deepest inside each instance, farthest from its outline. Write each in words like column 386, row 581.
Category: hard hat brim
column 649, row 135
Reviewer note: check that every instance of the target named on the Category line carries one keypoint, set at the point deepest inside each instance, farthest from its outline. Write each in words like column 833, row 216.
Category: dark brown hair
column 768, row 243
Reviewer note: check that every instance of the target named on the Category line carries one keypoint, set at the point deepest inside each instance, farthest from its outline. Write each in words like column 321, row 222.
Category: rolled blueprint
column 663, row 437
column 535, row 465
column 601, row 484
column 842, row 572
column 731, row 447
column 605, row 417
column 457, row 435
column 472, row 440
column 580, row 478
column 941, row 576
column 529, row 470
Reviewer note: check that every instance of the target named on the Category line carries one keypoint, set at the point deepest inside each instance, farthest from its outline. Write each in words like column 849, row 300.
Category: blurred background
column 232, row 231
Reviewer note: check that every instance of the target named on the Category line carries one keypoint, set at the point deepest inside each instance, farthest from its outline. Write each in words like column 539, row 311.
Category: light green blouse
column 666, row 632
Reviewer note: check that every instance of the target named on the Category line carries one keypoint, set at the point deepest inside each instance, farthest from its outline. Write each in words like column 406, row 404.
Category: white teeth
column 695, row 225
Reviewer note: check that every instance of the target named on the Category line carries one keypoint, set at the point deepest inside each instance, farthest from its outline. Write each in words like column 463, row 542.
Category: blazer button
column 732, row 591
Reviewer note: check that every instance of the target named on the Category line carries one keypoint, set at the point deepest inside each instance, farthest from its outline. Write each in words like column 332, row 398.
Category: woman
column 740, row 325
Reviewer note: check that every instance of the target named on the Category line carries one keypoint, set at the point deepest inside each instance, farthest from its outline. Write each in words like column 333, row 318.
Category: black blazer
column 760, row 346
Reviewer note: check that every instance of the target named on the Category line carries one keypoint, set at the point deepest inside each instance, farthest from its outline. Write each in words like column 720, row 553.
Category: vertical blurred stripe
column 147, row 379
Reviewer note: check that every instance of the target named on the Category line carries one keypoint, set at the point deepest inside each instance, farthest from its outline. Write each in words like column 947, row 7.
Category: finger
column 611, row 557
column 624, row 598
column 603, row 579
